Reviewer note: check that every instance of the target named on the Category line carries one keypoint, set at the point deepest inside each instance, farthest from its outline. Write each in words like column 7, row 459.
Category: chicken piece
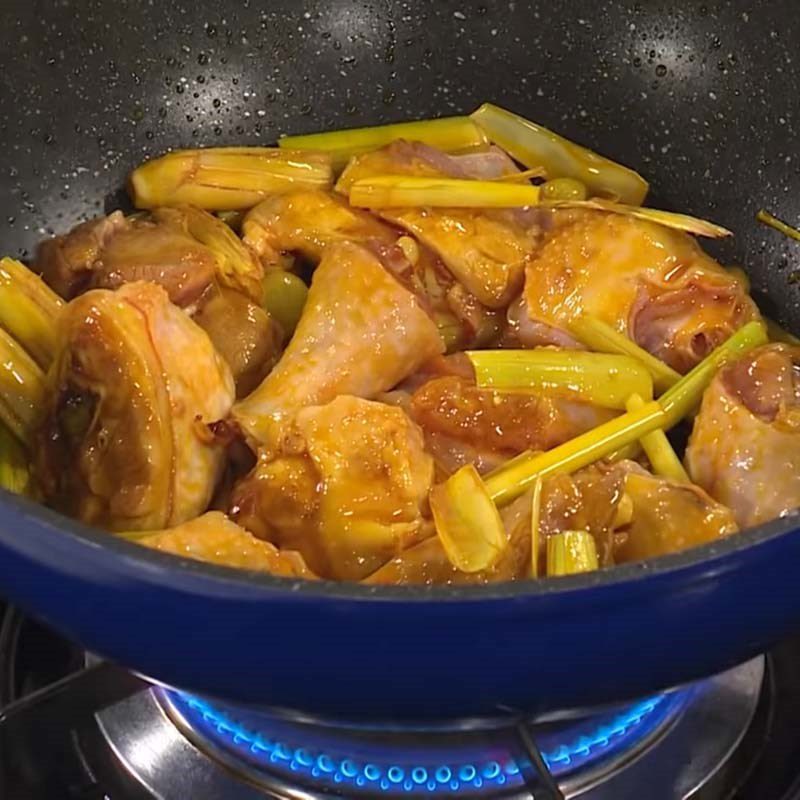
column 745, row 446
column 649, row 282
column 124, row 444
column 182, row 249
column 307, row 223
column 110, row 251
column 346, row 490
column 453, row 409
column 360, row 333
column 486, row 250
column 215, row 539
column 668, row 517
column 244, row 335
column 426, row 563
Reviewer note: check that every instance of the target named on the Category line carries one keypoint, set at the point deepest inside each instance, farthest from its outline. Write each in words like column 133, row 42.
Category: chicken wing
column 361, row 333
column 215, row 539
column 745, row 444
column 649, row 282
column 125, row 444
column 346, row 489
column 486, row 250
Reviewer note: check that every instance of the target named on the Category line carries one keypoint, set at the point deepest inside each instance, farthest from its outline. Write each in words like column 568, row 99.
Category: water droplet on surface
column 211, row 31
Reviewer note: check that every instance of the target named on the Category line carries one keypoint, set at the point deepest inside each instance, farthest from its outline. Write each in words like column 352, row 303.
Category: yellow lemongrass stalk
column 15, row 474
column 22, row 389
column 656, row 446
column 571, row 552
column 467, row 521
column 669, row 219
column 535, row 146
column 602, row 379
column 226, row 178
column 389, row 191
column 536, row 517
column 29, row 309
column 512, row 479
column 600, row 336
column 778, row 224
column 447, row 133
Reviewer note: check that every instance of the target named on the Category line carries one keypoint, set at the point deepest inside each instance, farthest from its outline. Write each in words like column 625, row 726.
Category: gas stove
column 75, row 728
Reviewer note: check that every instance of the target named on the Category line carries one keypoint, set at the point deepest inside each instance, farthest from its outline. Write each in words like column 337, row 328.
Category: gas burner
column 173, row 745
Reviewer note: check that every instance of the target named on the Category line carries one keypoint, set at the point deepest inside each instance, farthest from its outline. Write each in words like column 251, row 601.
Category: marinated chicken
column 451, row 367
column 124, row 443
column 745, row 445
column 653, row 284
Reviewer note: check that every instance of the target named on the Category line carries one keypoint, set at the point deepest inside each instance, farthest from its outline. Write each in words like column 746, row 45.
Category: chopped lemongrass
column 15, row 474
column 284, row 298
column 778, row 224
column 571, row 552
column 29, row 309
column 390, row 191
column 602, row 379
column 447, row 133
column 656, row 446
column 777, row 333
column 685, row 395
column 624, row 512
column 535, row 146
column 536, row 517
column 600, row 336
column 564, row 189
column 515, row 477
column 226, row 178
column 669, row 219
column 22, row 389
column 467, row 521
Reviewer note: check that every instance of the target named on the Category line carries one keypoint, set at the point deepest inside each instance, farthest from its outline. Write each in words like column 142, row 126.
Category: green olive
column 564, row 189
column 284, row 297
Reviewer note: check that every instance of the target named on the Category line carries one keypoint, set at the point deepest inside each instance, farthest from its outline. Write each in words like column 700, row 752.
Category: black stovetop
column 52, row 752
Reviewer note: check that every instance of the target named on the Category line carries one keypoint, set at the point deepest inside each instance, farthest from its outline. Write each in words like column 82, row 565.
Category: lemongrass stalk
column 779, row 225
column 571, row 552
column 602, row 379
column 600, row 336
column 15, row 474
column 226, row 178
column 777, row 333
column 22, row 389
column 29, row 309
column 534, row 146
column 628, row 452
column 284, row 298
column 669, row 219
column 685, row 395
column 656, row 446
column 536, row 517
column 512, row 479
column 467, row 521
column 390, row 191
column 446, row 133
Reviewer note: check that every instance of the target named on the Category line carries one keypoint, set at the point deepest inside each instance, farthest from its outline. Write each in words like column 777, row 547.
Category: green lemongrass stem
column 534, row 146
column 779, row 225
column 512, row 479
column 656, row 446
column 15, row 475
column 571, row 552
column 685, row 396
column 446, row 133
column 598, row 335
column 536, row 516
column 467, row 521
column 400, row 191
column 22, row 389
column 29, row 309
column 669, row 219
column 602, row 379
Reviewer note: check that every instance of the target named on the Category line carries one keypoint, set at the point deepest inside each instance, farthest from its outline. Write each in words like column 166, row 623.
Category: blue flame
column 565, row 748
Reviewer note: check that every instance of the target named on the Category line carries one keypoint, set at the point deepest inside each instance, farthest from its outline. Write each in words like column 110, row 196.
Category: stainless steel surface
column 158, row 749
